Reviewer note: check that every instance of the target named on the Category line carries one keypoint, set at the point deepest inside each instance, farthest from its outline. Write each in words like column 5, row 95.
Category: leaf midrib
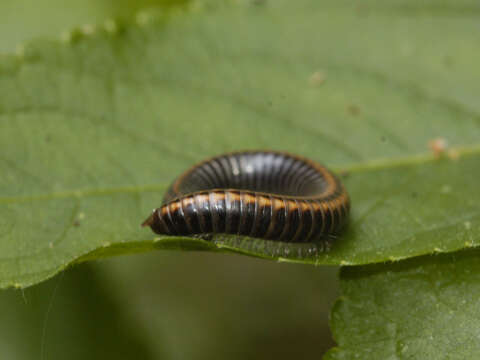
column 365, row 166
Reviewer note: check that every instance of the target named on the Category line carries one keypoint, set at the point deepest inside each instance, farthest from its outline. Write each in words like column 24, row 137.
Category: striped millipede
column 261, row 194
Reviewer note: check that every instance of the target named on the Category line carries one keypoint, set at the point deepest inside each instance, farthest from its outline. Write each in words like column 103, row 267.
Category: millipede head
column 150, row 220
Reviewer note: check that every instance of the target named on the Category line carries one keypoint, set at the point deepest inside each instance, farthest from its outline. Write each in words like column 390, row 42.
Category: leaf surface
column 94, row 128
column 422, row 308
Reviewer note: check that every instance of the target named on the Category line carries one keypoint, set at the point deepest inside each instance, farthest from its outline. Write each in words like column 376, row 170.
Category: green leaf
column 94, row 128
column 423, row 308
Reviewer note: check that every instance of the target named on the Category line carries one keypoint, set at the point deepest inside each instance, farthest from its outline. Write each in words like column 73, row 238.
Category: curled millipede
column 261, row 194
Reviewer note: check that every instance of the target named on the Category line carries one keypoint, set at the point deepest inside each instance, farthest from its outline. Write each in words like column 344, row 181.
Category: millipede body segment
column 262, row 194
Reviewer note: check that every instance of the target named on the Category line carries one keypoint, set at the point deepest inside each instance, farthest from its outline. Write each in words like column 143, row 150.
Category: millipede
column 268, row 195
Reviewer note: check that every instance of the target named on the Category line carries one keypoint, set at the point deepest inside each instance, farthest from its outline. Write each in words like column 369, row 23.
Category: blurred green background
column 170, row 305
column 22, row 20
column 164, row 305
